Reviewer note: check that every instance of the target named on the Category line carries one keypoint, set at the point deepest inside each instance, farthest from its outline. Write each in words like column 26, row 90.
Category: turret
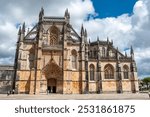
column 83, row 53
column 99, row 77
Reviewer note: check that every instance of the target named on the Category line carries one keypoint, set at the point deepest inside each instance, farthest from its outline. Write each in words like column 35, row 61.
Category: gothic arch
column 54, row 35
column 103, row 52
column 52, row 70
column 74, row 59
column 126, row 72
column 109, row 71
column 92, row 72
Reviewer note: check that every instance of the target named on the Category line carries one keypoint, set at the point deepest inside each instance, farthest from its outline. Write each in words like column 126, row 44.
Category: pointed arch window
column 103, row 52
column 74, row 59
column 109, row 72
column 126, row 72
column 92, row 70
column 54, row 35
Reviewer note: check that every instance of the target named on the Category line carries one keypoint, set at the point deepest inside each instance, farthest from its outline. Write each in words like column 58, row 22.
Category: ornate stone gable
column 52, row 70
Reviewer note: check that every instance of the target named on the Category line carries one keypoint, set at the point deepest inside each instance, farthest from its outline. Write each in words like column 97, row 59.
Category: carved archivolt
column 52, row 70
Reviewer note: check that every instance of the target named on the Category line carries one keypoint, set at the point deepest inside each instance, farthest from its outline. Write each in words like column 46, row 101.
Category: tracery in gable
column 52, row 70
column 54, row 35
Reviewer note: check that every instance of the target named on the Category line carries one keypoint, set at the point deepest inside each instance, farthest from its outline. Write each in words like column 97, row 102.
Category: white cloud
column 125, row 30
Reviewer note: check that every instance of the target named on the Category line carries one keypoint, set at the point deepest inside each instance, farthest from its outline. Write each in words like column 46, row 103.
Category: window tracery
column 109, row 72
column 54, row 35
column 92, row 70
column 74, row 59
column 126, row 72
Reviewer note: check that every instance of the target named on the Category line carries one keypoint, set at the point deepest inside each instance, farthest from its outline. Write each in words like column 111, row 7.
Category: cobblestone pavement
column 138, row 96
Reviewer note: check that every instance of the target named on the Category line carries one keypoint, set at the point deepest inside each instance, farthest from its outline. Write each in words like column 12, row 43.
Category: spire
column 23, row 28
column 107, row 40
column 132, row 52
column 98, row 40
column 19, row 31
column 89, row 41
column 112, row 42
column 19, row 35
column 125, row 54
column 28, row 30
column 67, row 14
column 82, row 30
column 85, row 33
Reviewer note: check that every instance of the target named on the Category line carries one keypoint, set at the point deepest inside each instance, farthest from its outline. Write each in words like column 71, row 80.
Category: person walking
column 7, row 93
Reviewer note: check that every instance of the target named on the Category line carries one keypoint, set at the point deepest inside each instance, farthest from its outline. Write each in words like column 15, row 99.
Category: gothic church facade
column 53, row 57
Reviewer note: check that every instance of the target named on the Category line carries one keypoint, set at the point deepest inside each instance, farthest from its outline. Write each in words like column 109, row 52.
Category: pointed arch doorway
column 53, row 74
column 51, row 85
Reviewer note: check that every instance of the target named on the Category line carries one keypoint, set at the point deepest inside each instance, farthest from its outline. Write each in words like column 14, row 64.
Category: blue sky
column 113, row 8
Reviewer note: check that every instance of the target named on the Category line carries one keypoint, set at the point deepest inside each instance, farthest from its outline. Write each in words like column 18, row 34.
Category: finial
column 107, row 40
column 41, row 14
column 117, row 48
column 82, row 30
column 67, row 14
column 85, row 33
column 89, row 41
column 97, row 38
column 42, row 11
column 125, row 54
column 132, row 50
column 112, row 42
column 28, row 30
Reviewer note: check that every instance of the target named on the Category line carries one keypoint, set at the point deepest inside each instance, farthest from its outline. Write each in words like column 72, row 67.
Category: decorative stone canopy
column 52, row 70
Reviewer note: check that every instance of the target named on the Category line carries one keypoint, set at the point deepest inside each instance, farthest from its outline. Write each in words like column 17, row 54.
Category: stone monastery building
column 54, row 58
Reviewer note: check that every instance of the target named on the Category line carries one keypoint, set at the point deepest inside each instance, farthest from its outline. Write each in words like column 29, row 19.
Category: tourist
column 13, row 91
column 7, row 93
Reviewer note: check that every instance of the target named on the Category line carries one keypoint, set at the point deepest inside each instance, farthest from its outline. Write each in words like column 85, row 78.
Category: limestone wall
column 109, row 86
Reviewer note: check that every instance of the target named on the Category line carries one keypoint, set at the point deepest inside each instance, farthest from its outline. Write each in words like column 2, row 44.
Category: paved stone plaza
column 138, row 96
